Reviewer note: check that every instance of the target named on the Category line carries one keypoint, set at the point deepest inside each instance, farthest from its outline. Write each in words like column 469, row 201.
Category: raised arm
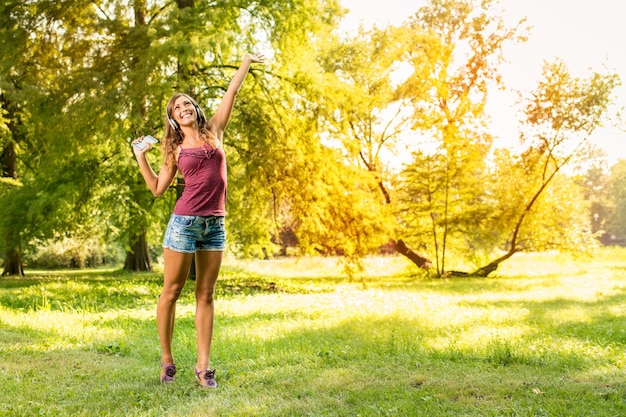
column 219, row 121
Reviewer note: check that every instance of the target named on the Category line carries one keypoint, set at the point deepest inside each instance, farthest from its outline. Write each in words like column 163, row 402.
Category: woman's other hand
column 138, row 150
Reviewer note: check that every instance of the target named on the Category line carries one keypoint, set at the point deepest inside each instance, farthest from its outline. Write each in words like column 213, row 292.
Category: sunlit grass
column 295, row 337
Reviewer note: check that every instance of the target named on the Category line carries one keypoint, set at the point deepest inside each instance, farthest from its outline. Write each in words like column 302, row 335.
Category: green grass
column 544, row 336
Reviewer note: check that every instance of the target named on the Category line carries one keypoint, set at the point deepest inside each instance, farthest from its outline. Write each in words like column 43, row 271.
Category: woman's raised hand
column 256, row 57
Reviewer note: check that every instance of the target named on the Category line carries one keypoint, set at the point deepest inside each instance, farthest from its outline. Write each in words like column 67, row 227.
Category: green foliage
column 557, row 219
column 618, row 185
column 444, row 208
column 310, row 131
column 108, row 83
column 453, row 48
column 560, row 115
column 71, row 253
column 459, row 196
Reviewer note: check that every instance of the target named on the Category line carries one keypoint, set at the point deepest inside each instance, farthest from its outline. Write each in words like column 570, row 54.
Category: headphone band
column 171, row 121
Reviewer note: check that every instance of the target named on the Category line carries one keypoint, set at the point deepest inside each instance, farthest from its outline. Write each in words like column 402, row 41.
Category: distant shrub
column 71, row 253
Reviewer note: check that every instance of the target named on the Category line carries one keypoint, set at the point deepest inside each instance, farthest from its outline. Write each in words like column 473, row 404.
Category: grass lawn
column 544, row 336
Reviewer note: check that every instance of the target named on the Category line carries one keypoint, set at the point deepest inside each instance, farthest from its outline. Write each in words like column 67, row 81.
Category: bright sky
column 584, row 34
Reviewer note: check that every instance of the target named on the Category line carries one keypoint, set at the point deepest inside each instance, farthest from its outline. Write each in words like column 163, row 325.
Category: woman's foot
column 206, row 377
column 168, row 372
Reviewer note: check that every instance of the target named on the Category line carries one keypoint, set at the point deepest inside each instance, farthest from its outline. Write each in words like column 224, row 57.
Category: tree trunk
column 9, row 161
column 416, row 258
column 492, row 266
column 138, row 258
column 13, row 255
column 13, row 262
column 183, row 4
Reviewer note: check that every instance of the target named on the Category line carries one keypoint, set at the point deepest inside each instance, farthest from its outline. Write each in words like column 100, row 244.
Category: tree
column 8, row 163
column 595, row 181
column 29, row 69
column 454, row 49
column 617, row 223
column 561, row 114
column 362, row 118
column 108, row 82
column 310, row 198
column 363, row 110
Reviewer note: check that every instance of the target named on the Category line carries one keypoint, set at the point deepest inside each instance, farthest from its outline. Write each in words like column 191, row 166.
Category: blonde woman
column 193, row 145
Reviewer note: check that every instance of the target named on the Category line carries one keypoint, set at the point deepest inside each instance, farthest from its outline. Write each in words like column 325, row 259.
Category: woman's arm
column 158, row 184
column 219, row 121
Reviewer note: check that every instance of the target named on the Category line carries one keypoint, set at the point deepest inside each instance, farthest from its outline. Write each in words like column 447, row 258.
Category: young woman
column 193, row 145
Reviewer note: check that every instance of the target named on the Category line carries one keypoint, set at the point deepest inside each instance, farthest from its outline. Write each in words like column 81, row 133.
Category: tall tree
column 32, row 43
column 12, row 132
column 560, row 115
column 137, row 253
column 306, row 195
column 111, row 67
column 454, row 47
column 364, row 111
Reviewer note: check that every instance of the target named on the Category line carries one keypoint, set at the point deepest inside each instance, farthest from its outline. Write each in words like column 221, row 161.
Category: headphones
column 199, row 117
column 172, row 122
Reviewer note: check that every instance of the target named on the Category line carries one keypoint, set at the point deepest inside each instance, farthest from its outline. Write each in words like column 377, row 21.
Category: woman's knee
column 171, row 293
column 204, row 295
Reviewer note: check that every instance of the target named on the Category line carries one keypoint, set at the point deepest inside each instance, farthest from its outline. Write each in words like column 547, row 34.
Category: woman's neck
column 192, row 137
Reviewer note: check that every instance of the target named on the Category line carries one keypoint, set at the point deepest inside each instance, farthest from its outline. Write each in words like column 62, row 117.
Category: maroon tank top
column 204, row 170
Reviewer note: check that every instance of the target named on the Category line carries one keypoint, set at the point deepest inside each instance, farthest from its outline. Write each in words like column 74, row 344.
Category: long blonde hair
column 174, row 136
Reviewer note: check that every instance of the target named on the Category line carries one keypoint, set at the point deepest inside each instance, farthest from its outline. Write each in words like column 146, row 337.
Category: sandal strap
column 170, row 371
column 208, row 373
column 208, row 377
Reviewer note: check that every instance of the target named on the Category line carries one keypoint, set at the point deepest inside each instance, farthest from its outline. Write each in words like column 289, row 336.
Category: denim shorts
column 189, row 234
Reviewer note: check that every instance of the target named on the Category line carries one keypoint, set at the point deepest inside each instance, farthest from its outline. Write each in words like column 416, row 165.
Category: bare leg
column 208, row 265
column 176, row 269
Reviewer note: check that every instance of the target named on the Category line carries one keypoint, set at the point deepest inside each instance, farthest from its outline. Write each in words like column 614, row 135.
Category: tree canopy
column 311, row 135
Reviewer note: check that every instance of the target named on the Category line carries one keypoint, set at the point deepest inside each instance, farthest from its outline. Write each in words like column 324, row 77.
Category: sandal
column 168, row 375
column 208, row 379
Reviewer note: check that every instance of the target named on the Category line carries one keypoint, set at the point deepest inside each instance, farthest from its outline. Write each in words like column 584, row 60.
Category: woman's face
column 184, row 111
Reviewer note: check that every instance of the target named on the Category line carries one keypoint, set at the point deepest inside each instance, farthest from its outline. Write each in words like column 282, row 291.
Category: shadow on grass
column 79, row 292
column 121, row 290
column 597, row 321
column 373, row 367
column 352, row 368
column 378, row 366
